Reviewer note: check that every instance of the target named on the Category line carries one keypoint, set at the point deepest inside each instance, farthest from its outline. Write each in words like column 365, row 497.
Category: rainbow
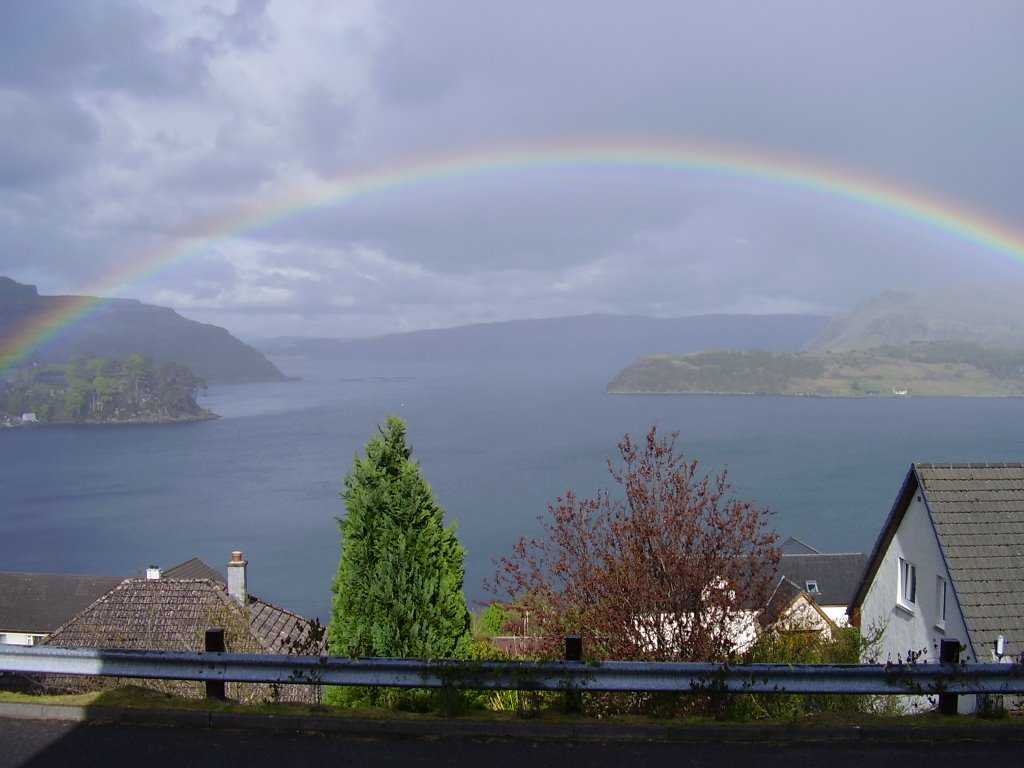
column 749, row 166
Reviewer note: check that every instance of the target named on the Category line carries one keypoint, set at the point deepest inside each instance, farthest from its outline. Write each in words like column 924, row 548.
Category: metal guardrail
column 520, row 675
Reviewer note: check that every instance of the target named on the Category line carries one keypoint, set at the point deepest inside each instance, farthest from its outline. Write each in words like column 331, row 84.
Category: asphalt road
column 25, row 742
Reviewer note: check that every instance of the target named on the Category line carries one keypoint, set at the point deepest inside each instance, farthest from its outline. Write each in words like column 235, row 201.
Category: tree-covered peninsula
column 101, row 391
column 938, row 369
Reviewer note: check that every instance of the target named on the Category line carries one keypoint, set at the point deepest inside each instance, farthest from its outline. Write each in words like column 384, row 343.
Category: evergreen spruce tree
column 398, row 590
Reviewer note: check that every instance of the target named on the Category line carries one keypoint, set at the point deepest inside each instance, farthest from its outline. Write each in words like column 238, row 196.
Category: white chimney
column 236, row 578
column 153, row 572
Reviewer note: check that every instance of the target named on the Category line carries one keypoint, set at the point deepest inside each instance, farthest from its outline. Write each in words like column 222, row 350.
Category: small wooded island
column 100, row 391
column 936, row 369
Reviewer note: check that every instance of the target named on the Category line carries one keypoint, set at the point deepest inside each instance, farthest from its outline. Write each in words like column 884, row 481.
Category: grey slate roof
column 978, row 510
column 38, row 603
column 837, row 574
column 173, row 614
column 795, row 546
column 978, row 513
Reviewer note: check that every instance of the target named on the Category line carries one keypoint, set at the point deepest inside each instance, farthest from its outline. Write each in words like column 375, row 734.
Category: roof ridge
column 970, row 465
column 65, row 575
column 819, row 554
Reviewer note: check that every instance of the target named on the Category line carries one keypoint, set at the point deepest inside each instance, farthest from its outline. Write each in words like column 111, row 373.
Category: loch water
column 497, row 443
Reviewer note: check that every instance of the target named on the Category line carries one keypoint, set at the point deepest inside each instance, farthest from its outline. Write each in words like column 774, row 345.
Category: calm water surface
column 497, row 445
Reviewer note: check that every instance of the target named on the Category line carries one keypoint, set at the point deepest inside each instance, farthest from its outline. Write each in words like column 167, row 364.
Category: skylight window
column 812, row 587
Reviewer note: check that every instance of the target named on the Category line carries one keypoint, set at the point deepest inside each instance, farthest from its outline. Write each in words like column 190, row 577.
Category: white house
column 949, row 565
column 791, row 609
column 826, row 581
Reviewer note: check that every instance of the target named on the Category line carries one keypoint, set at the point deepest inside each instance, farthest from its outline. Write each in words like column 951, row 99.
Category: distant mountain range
column 597, row 342
column 117, row 328
column 965, row 340
column 986, row 313
column 604, row 345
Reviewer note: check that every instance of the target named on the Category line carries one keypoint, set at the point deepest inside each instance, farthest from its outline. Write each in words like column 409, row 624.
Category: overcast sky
column 126, row 126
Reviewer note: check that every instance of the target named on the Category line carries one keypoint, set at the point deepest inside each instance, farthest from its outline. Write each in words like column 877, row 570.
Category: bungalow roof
column 173, row 614
column 38, row 603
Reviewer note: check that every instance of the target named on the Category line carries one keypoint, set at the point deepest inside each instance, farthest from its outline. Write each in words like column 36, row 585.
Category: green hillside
column 117, row 328
column 946, row 369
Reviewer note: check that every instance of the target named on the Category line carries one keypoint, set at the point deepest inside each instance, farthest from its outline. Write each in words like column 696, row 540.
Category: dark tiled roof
column 195, row 569
column 837, row 575
column 40, row 602
column 978, row 511
column 277, row 628
column 173, row 614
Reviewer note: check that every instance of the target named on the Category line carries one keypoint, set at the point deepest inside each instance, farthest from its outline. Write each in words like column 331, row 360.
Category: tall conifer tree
column 398, row 590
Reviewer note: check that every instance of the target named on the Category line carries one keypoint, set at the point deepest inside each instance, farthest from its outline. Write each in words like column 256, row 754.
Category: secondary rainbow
column 748, row 166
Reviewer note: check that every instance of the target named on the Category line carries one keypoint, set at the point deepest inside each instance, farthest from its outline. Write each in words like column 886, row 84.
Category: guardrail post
column 949, row 653
column 215, row 644
column 574, row 648
column 573, row 652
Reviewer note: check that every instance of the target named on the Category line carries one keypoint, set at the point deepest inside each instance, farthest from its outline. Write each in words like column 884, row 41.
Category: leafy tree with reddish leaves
column 666, row 570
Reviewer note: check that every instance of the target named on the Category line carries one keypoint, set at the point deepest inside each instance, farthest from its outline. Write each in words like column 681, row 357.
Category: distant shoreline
column 135, row 421
column 811, row 395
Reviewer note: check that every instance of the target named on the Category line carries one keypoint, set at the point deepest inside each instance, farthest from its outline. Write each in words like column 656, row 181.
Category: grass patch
column 140, row 698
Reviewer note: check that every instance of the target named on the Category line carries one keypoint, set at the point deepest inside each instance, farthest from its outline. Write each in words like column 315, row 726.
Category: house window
column 908, row 582
column 940, row 602
column 812, row 587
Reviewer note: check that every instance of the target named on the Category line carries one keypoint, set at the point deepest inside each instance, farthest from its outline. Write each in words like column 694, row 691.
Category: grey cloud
column 60, row 44
column 528, row 218
column 247, row 25
column 218, row 175
column 322, row 128
column 42, row 139
column 881, row 85
column 126, row 123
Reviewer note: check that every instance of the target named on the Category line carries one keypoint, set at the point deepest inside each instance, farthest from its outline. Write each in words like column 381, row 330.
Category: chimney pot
column 237, row 587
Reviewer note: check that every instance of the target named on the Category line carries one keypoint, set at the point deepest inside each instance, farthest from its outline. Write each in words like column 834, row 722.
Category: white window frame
column 906, row 595
column 812, row 587
column 941, row 602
